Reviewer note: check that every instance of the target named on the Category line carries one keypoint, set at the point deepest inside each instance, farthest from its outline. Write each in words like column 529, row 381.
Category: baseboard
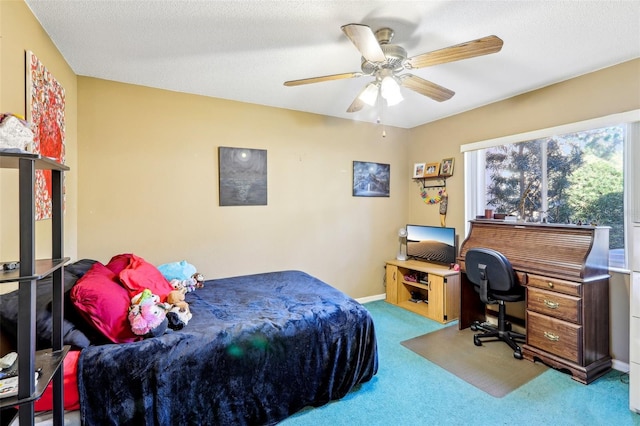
column 620, row 366
column 372, row 298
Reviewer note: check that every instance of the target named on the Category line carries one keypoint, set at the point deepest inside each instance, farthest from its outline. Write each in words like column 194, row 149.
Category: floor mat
column 490, row 367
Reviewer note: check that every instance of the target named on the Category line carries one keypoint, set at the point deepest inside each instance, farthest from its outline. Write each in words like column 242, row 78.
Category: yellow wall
column 20, row 31
column 150, row 186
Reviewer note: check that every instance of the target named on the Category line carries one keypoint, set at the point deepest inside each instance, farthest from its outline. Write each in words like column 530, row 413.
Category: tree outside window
column 571, row 178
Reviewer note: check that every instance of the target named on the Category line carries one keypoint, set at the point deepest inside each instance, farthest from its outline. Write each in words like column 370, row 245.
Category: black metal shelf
column 11, row 160
column 43, row 268
column 47, row 362
column 423, row 179
column 27, row 275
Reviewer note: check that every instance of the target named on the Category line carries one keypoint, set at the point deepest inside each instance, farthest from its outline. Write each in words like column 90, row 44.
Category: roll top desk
column 565, row 271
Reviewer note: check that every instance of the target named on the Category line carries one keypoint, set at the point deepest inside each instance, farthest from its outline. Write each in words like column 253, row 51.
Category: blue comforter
column 258, row 349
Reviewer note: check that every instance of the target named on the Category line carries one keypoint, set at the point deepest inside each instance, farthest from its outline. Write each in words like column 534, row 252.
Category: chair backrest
column 486, row 264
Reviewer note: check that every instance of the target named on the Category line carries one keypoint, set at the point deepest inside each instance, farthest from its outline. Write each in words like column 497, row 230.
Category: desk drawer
column 552, row 335
column 553, row 284
column 554, row 304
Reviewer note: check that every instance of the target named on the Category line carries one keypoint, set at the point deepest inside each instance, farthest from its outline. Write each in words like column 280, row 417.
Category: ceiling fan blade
column 426, row 88
column 365, row 41
column 323, row 78
column 470, row 49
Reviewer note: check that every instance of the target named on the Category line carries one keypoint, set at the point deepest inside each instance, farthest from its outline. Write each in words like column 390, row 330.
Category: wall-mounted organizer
column 442, row 182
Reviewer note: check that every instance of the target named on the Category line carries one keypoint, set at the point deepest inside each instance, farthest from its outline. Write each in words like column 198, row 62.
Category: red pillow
column 71, row 396
column 104, row 303
column 119, row 262
column 139, row 275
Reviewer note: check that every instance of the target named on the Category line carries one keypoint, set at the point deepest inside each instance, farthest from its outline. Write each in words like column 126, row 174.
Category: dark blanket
column 258, row 349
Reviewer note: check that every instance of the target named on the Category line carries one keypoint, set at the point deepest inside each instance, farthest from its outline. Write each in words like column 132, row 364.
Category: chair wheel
column 474, row 327
column 476, row 341
column 517, row 355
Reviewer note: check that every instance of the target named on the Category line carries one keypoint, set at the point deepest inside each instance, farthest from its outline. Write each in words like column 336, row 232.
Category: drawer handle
column 550, row 284
column 551, row 336
column 551, row 305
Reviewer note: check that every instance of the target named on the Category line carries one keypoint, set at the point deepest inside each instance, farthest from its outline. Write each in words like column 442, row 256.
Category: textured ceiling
column 245, row 50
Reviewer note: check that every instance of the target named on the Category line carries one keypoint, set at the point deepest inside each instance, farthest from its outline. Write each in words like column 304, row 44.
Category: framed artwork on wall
column 418, row 170
column 242, row 176
column 431, row 170
column 371, row 179
column 446, row 168
column 45, row 112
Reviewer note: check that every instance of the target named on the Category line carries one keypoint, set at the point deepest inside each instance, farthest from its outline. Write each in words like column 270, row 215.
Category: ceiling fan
column 385, row 61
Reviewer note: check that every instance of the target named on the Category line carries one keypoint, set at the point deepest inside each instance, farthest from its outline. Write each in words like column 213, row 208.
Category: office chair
column 494, row 279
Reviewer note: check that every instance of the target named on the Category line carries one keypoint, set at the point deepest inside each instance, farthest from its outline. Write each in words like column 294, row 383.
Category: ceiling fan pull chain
column 382, row 103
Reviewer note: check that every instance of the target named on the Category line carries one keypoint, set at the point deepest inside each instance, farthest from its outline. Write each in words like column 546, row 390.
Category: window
column 574, row 177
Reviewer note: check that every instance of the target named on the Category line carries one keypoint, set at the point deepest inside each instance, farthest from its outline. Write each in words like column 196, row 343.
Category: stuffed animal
column 178, row 313
column 147, row 316
column 199, row 279
column 186, row 285
column 177, row 270
column 175, row 296
column 179, row 316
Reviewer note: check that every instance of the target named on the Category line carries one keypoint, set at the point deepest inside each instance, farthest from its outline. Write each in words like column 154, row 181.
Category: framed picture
column 370, row 179
column 242, row 175
column 418, row 170
column 431, row 170
column 446, row 169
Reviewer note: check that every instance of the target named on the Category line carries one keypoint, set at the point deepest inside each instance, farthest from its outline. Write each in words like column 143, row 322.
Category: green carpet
column 490, row 367
column 410, row 390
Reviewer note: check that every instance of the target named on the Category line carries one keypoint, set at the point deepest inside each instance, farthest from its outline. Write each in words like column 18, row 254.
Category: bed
column 257, row 349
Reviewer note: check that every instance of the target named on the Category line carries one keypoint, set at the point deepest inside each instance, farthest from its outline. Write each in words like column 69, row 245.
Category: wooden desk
column 565, row 271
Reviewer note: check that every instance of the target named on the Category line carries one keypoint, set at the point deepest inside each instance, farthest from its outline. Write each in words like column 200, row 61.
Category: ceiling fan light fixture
column 370, row 94
column 390, row 90
column 384, row 61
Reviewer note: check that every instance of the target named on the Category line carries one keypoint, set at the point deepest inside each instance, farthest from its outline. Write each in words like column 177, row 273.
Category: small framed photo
column 418, row 170
column 431, row 170
column 446, row 169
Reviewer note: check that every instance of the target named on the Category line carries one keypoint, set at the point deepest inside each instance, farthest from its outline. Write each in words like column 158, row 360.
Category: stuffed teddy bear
column 147, row 316
column 176, row 296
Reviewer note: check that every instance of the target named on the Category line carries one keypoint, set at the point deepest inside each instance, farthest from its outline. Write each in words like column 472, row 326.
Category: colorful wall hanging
column 45, row 112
